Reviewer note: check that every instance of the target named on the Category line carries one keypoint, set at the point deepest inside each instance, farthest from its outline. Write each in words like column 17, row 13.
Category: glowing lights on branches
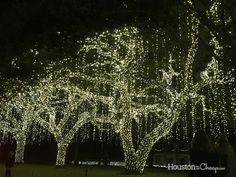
column 115, row 82
column 121, row 50
column 16, row 117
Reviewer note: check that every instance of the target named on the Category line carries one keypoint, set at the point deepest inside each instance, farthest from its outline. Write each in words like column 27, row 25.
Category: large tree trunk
column 61, row 153
column 135, row 160
column 134, row 164
column 20, row 149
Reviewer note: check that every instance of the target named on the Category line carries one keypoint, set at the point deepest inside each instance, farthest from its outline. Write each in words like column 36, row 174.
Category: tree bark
column 135, row 160
column 20, row 149
column 134, row 164
column 61, row 153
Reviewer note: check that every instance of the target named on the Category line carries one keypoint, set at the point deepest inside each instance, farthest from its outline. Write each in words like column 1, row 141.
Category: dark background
column 26, row 23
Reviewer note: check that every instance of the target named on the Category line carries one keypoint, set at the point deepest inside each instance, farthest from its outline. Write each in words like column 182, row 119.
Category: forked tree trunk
column 20, row 149
column 134, row 164
column 61, row 153
column 135, row 160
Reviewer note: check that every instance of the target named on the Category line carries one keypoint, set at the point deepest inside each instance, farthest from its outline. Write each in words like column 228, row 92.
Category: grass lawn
column 32, row 170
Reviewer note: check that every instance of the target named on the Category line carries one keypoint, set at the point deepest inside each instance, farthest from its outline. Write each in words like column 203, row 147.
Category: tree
column 218, row 29
column 62, row 109
column 218, row 18
column 16, row 118
column 15, row 114
column 114, row 65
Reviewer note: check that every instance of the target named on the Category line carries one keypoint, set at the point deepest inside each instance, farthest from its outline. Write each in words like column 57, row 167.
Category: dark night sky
column 27, row 22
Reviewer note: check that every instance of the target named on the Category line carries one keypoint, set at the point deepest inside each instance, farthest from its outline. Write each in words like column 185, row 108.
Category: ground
column 33, row 170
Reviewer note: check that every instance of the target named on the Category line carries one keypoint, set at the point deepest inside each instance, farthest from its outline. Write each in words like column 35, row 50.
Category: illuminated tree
column 16, row 118
column 62, row 109
column 115, row 63
column 15, row 113
column 218, row 18
column 118, row 79
column 54, row 103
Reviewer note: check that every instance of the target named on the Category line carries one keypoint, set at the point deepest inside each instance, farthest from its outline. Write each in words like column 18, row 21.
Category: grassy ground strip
column 31, row 170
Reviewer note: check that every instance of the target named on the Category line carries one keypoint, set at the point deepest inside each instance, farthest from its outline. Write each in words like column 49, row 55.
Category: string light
column 113, row 84
column 121, row 77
